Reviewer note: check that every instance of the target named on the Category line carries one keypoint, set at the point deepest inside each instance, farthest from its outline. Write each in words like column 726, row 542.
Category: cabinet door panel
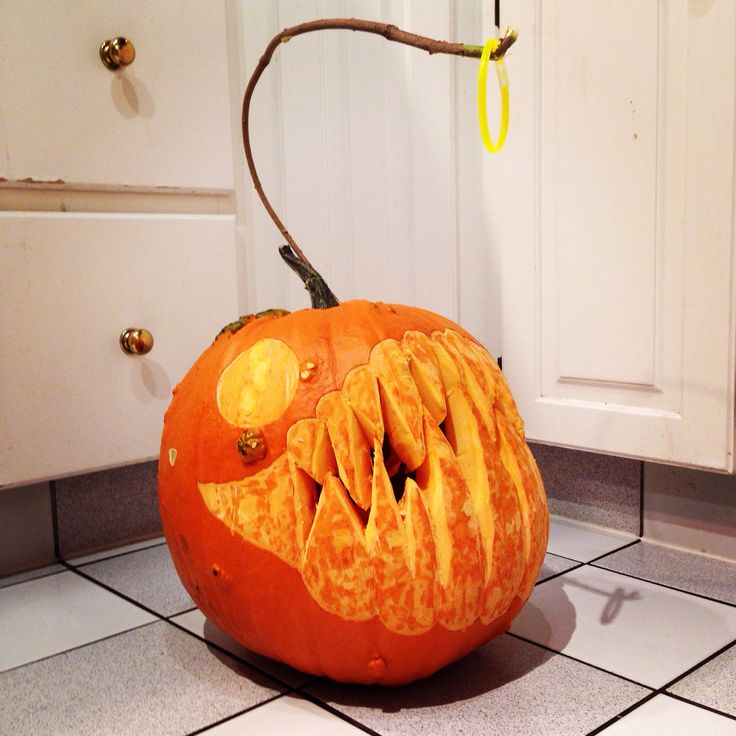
column 164, row 121
column 71, row 400
column 618, row 227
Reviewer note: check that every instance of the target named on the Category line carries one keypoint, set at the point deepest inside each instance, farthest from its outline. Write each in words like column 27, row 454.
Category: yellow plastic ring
column 503, row 85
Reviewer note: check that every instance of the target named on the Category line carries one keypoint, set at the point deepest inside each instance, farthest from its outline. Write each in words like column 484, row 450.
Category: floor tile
column 152, row 681
column 506, row 687
column 115, row 551
column 196, row 622
column 287, row 715
column 713, row 684
column 39, row 572
column 147, row 576
column 554, row 565
column 633, row 628
column 583, row 542
column 685, row 570
column 52, row 614
column 665, row 715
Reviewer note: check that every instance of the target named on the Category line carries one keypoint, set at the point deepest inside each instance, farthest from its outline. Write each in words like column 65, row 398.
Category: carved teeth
column 387, row 514
column 518, row 460
column 421, row 554
column 425, row 371
column 400, row 402
column 471, row 430
column 360, row 390
column 323, row 457
column 305, row 503
column 455, row 530
column 351, row 448
column 405, row 603
column 337, row 565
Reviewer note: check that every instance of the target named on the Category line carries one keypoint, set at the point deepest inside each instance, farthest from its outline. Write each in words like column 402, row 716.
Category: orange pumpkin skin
column 280, row 580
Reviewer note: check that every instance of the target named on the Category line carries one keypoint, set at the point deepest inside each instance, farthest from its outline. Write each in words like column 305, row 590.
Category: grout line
column 563, row 557
column 663, row 691
column 78, row 646
column 282, row 683
column 625, row 712
column 581, row 661
column 181, row 613
column 641, row 500
column 31, row 579
column 665, row 585
column 54, row 518
column 162, row 617
column 112, row 590
column 559, row 574
column 699, row 705
column 700, row 664
column 114, row 554
column 231, row 717
column 594, row 559
column 613, row 551
column 700, row 554
column 335, row 712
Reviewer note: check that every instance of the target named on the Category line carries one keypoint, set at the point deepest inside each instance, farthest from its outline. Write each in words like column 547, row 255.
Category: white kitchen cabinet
column 618, row 226
column 163, row 121
column 71, row 399
column 117, row 191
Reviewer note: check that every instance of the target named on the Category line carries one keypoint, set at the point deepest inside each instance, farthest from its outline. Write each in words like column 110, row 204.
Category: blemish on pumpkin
column 172, row 456
column 252, row 445
column 216, row 571
column 377, row 666
column 307, row 370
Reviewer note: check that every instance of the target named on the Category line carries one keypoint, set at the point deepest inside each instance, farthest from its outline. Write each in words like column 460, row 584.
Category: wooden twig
column 390, row 33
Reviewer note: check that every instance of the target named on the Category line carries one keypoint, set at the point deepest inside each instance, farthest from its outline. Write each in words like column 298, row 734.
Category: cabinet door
column 163, row 121
column 70, row 399
column 618, row 227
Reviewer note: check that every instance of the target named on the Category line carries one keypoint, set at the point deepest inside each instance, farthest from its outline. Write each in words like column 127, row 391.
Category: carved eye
column 258, row 386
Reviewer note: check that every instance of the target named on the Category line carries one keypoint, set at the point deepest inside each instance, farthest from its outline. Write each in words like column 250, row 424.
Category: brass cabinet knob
column 136, row 341
column 117, row 52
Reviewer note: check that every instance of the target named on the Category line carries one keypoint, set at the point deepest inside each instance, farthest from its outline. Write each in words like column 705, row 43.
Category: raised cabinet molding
column 618, row 227
column 164, row 121
column 70, row 399
column 370, row 153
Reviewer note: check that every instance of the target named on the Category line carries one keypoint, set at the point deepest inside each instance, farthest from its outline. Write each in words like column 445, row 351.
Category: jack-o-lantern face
column 358, row 467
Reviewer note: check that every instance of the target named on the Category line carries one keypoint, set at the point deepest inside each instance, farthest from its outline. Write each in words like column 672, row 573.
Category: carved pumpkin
column 348, row 490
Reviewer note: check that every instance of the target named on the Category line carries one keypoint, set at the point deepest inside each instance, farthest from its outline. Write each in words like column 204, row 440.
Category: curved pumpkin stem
column 321, row 295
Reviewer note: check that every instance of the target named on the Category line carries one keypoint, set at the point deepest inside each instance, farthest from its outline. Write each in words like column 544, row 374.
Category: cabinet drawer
column 163, row 121
column 70, row 399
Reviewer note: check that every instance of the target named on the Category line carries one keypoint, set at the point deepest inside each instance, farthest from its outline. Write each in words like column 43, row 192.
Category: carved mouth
column 411, row 495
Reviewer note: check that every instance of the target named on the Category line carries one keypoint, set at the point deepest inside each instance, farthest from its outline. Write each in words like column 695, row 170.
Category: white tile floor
column 620, row 637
